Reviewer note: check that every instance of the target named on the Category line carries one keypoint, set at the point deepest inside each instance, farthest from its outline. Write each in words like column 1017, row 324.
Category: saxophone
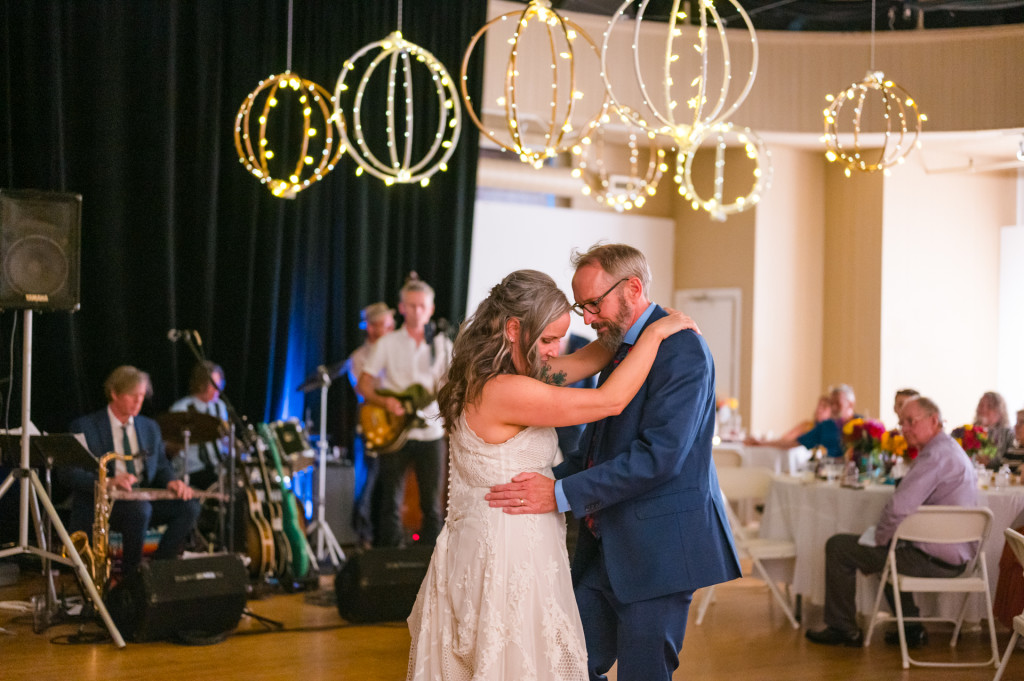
column 96, row 555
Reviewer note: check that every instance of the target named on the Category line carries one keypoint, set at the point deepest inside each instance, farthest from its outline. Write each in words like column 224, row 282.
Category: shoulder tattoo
column 555, row 378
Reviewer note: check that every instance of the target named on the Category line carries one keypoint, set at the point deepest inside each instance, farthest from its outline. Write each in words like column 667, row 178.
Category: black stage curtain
column 132, row 105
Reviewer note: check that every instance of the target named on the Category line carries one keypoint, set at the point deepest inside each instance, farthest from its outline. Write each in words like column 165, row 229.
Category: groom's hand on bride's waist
column 527, row 493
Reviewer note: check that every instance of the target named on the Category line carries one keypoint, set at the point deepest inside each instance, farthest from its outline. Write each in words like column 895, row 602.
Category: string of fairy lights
column 616, row 135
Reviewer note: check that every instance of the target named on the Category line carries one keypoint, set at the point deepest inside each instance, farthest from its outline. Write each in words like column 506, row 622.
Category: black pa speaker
column 191, row 599
column 40, row 249
column 380, row 585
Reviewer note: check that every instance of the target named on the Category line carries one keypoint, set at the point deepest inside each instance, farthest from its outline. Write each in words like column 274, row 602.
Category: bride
column 497, row 601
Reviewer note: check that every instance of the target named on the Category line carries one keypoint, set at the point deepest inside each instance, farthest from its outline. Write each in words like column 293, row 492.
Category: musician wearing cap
column 377, row 319
column 202, row 458
column 120, row 428
column 405, row 367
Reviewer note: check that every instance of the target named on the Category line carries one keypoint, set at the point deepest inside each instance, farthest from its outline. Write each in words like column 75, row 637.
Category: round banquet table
column 808, row 513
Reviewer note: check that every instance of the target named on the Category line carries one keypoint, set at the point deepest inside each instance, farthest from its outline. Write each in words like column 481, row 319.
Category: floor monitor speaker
column 190, row 599
column 380, row 585
column 40, row 250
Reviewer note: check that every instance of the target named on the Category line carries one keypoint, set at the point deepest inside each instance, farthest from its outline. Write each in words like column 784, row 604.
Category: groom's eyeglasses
column 594, row 306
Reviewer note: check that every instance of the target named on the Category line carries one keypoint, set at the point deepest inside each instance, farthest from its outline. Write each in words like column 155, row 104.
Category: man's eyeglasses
column 594, row 306
column 909, row 422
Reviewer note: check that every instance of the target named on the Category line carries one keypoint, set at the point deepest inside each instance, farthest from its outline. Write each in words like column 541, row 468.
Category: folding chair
column 726, row 457
column 751, row 484
column 940, row 525
column 1015, row 540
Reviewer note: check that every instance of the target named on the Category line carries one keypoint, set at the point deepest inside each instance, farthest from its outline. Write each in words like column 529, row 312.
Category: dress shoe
column 834, row 637
column 917, row 636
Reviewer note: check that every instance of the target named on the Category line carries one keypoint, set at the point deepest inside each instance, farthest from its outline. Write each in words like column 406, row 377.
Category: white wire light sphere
column 687, row 92
column 761, row 175
column 622, row 184
column 318, row 148
column 545, row 55
column 397, row 112
column 894, row 113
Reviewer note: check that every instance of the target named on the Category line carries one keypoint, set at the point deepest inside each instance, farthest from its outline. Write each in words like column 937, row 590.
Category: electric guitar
column 274, row 511
column 385, row 432
column 298, row 565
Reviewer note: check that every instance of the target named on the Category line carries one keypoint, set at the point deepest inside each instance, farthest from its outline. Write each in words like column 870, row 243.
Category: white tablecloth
column 810, row 513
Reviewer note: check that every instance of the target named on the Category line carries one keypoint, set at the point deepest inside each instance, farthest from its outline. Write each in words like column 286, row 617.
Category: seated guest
column 901, row 398
column 991, row 414
column 1015, row 453
column 202, row 460
column 822, row 412
column 942, row 474
column 827, row 433
column 120, row 428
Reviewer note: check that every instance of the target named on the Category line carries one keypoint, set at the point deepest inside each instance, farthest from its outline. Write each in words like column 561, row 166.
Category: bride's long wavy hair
column 483, row 351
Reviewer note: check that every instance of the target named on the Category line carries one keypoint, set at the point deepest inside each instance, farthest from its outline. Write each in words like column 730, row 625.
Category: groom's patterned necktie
column 620, row 354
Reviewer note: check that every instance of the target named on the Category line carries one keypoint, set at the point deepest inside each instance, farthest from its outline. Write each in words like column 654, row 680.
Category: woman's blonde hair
column 483, row 350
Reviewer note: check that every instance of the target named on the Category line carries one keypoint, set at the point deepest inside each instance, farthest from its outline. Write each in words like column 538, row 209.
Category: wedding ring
column 522, row 502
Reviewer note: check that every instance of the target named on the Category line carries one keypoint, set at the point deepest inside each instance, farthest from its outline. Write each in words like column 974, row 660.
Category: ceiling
column 970, row 152
column 833, row 15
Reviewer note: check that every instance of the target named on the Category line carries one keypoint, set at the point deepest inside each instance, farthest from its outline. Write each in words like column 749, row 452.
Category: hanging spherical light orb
column 396, row 113
column 690, row 89
column 721, row 135
column 276, row 99
column 608, row 178
column 546, row 54
column 879, row 106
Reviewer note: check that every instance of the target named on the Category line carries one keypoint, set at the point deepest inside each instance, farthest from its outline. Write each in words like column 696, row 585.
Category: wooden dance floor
column 743, row 636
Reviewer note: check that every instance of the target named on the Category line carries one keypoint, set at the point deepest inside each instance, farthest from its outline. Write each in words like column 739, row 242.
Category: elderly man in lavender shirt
column 941, row 475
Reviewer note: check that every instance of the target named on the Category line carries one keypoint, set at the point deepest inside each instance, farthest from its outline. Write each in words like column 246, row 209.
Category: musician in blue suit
column 654, row 527
column 120, row 428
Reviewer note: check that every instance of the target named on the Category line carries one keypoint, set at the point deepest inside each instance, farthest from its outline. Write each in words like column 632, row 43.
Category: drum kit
column 180, row 430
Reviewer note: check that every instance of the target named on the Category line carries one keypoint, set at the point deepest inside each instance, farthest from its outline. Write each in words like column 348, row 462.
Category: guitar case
column 380, row 585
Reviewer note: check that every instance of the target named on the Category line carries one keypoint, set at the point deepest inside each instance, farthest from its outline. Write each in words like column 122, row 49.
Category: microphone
column 175, row 335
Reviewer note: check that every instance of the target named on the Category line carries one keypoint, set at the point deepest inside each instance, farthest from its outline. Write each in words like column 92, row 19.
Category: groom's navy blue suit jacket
column 652, row 489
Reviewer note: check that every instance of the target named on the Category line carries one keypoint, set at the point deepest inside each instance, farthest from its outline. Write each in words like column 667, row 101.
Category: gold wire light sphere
column 755, row 150
column 318, row 149
column 663, row 98
column 400, row 167
column 630, row 187
column 901, row 124
column 556, row 132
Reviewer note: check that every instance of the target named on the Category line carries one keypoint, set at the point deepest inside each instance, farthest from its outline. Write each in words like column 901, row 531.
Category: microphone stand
column 324, row 535
column 238, row 425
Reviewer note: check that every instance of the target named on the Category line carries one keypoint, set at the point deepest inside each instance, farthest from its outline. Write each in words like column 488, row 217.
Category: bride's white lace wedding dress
column 497, row 601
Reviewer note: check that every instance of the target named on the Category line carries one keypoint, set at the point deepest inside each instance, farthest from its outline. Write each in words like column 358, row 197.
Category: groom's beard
column 611, row 332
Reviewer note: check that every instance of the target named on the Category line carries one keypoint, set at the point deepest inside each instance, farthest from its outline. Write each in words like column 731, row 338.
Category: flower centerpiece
column 975, row 441
column 863, row 439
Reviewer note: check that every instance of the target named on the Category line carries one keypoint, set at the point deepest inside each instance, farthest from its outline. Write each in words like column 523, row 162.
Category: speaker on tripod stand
column 40, row 245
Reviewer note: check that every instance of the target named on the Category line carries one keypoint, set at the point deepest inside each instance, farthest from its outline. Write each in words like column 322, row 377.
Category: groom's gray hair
column 618, row 260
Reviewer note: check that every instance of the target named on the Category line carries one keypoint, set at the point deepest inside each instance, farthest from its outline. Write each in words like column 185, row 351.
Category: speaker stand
column 326, row 542
column 265, row 621
column 32, row 492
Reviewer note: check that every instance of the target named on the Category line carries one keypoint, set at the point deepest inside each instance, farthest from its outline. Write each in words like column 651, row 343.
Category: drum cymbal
column 315, row 380
column 201, row 427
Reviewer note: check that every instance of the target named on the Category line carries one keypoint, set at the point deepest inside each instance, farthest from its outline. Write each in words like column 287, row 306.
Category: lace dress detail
column 497, row 601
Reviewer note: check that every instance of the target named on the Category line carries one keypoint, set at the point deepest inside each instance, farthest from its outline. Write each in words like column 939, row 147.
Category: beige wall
column 713, row 254
column 940, row 298
column 788, row 301
column 853, row 265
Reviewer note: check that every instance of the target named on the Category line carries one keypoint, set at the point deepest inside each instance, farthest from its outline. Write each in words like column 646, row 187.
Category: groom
column 653, row 526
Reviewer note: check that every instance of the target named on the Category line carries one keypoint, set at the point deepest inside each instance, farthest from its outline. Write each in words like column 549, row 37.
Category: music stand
column 327, row 544
column 31, row 489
